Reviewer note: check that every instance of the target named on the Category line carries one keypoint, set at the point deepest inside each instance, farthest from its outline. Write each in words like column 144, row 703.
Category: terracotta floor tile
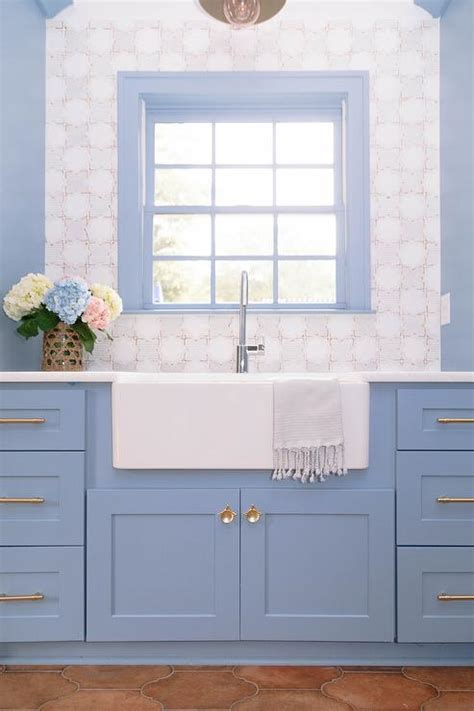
column 290, row 701
column 27, row 690
column 199, row 690
column 288, row 677
column 452, row 701
column 35, row 667
column 125, row 700
column 372, row 669
column 204, row 667
column 454, row 678
column 114, row 676
column 383, row 691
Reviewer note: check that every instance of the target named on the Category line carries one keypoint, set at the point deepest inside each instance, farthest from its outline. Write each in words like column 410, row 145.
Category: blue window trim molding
column 436, row 8
column 50, row 8
column 139, row 92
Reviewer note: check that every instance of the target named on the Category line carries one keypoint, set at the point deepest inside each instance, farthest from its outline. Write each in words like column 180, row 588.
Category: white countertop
column 115, row 376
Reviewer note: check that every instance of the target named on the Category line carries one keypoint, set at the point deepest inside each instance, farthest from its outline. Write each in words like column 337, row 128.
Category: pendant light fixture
column 242, row 13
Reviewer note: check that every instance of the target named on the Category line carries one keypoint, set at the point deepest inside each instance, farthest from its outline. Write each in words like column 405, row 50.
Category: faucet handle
column 259, row 349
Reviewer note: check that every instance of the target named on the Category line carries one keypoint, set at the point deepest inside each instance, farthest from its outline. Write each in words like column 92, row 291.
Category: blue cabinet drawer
column 432, row 583
column 435, row 498
column 41, row 498
column 435, row 418
column 42, row 419
column 41, row 594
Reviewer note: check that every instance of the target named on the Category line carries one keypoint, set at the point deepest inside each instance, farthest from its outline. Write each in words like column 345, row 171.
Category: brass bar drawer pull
column 22, row 420
column 444, row 597
column 21, row 500
column 456, row 420
column 21, row 598
column 455, row 499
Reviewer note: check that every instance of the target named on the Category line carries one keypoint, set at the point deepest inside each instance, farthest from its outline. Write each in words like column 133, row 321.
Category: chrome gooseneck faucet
column 243, row 350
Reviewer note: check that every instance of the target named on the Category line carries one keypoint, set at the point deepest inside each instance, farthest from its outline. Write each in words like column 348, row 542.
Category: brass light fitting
column 242, row 13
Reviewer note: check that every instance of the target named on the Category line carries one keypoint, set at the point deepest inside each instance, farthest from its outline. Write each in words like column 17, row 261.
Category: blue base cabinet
column 162, row 565
column 318, row 565
column 107, row 566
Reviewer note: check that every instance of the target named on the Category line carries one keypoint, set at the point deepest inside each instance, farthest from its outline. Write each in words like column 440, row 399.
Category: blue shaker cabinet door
column 318, row 565
column 162, row 565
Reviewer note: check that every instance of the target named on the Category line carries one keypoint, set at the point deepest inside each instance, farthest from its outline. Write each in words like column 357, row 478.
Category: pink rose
column 97, row 313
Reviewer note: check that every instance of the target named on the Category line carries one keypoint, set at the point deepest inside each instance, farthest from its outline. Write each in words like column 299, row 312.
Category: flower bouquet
column 68, row 312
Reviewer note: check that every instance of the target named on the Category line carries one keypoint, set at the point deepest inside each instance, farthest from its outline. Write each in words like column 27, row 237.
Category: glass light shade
column 241, row 13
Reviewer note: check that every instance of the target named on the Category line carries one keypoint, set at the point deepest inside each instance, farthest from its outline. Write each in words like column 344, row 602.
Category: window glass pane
column 307, row 282
column 242, row 186
column 228, row 281
column 304, row 186
column 305, row 143
column 183, row 186
column 244, row 234
column 182, row 235
column 183, row 143
column 238, row 143
column 307, row 234
column 182, row 282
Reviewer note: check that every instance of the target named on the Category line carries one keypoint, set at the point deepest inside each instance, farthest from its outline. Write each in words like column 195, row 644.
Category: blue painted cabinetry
column 232, row 567
column 41, row 498
column 435, row 494
column 318, row 565
column 435, row 509
column 162, row 565
column 432, row 583
column 41, row 515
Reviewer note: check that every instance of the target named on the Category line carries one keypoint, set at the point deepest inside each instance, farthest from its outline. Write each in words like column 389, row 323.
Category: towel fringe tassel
column 307, row 464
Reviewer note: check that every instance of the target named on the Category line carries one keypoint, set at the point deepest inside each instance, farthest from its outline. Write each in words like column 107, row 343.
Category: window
column 228, row 181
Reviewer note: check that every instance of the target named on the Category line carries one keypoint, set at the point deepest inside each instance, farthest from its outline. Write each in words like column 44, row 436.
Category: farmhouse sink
column 215, row 421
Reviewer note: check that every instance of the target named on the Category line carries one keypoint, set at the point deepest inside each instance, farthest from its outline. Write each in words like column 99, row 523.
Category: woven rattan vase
column 62, row 349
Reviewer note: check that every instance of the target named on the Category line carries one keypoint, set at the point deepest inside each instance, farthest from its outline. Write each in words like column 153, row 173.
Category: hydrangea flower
column 68, row 299
column 97, row 313
column 26, row 296
column 110, row 297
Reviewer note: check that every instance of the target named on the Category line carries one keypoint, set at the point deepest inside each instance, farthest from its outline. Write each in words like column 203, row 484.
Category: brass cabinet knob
column 253, row 515
column 227, row 515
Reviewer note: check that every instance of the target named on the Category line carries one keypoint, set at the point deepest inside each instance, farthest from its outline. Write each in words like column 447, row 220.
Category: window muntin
column 264, row 195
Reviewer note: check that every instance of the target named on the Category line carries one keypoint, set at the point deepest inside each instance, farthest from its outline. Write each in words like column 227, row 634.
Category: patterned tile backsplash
column 399, row 46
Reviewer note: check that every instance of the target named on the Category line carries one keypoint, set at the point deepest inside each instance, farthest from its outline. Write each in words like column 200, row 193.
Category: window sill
column 235, row 310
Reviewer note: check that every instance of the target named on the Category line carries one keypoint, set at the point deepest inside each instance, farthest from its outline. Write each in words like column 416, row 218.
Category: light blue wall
column 22, row 141
column 457, row 184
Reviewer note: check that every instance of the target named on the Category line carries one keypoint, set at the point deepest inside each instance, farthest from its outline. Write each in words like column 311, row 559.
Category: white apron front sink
column 214, row 421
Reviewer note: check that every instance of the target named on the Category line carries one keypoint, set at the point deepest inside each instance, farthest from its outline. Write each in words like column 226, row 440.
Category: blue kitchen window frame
column 148, row 97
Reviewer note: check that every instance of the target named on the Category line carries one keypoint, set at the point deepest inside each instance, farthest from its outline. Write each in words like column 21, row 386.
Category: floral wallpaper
column 398, row 44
